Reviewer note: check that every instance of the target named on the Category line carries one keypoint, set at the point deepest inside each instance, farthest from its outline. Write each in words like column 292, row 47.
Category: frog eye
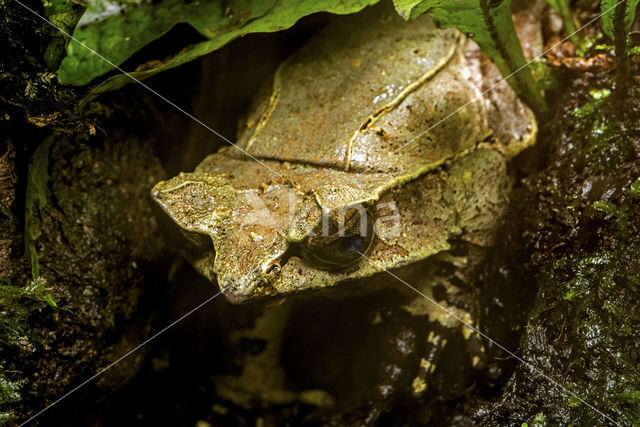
column 342, row 245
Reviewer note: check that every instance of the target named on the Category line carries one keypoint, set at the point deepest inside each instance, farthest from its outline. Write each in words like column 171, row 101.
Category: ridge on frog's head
column 335, row 180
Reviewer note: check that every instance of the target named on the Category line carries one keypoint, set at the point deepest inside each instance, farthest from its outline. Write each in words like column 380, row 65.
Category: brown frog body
column 377, row 113
column 375, row 147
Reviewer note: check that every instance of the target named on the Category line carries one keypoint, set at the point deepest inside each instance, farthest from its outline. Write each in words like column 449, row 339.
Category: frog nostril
column 274, row 268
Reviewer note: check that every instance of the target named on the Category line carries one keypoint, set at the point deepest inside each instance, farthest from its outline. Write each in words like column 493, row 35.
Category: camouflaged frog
column 374, row 148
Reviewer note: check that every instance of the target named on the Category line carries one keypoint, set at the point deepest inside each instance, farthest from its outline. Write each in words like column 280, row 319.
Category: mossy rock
column 584, row 239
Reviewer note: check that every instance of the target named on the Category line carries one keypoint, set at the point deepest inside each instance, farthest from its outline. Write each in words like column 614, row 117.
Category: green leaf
column 37, row 290
column 411, row 9
column 116, row 31
column 35, row 201
column 608, row 9
column 64, row 14
column 490, row 24
column 617, row 18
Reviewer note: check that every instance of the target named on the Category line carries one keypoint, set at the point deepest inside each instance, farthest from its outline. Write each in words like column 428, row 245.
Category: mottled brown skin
column 332, row 134
column 340, row 111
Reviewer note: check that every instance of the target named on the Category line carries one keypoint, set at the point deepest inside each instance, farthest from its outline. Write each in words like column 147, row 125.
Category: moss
column 605, row 132
column 587, row 109
column 46, row 350
column 634, row 188
column 619, row 214
column 583, row 334
column 586, row 44
column 20, row 298
column 18, row 301
column 544, row 76
column 97, row 244
column 583, row 239
column 9, row 394
column 18, row 304
column 599, row 319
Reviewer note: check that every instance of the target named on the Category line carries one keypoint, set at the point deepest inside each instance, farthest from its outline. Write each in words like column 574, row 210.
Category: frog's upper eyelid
column 183, row 184
column 193, row 203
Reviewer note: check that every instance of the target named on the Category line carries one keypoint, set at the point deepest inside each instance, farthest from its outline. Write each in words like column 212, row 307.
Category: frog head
column 273, row 238
column 311, row 228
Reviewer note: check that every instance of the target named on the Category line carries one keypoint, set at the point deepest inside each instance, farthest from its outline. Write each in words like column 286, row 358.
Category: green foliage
column 592, row 107
column 116, row 30
column 581, row 284
column 583, row 47
column 562, row 8
column 17, row 302
column 617, row 18
column 621, row 215
column 494, row 32
column 634, row 189
column 587, row 109
column 599, row 94
column 63, row 14
column 544, row 76
column 35, row 200
column 9, row 393
column 609, row 11
column 540, row 420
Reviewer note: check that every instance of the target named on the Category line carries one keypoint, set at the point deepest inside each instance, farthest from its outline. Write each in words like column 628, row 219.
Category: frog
column 375, row 147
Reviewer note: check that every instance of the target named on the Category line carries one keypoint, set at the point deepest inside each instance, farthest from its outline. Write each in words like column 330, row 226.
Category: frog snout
column 273, row 270
column 241, row 284
column 239, row 290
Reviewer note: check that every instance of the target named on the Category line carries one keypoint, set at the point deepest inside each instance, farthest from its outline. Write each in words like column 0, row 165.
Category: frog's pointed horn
column 196, row 204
